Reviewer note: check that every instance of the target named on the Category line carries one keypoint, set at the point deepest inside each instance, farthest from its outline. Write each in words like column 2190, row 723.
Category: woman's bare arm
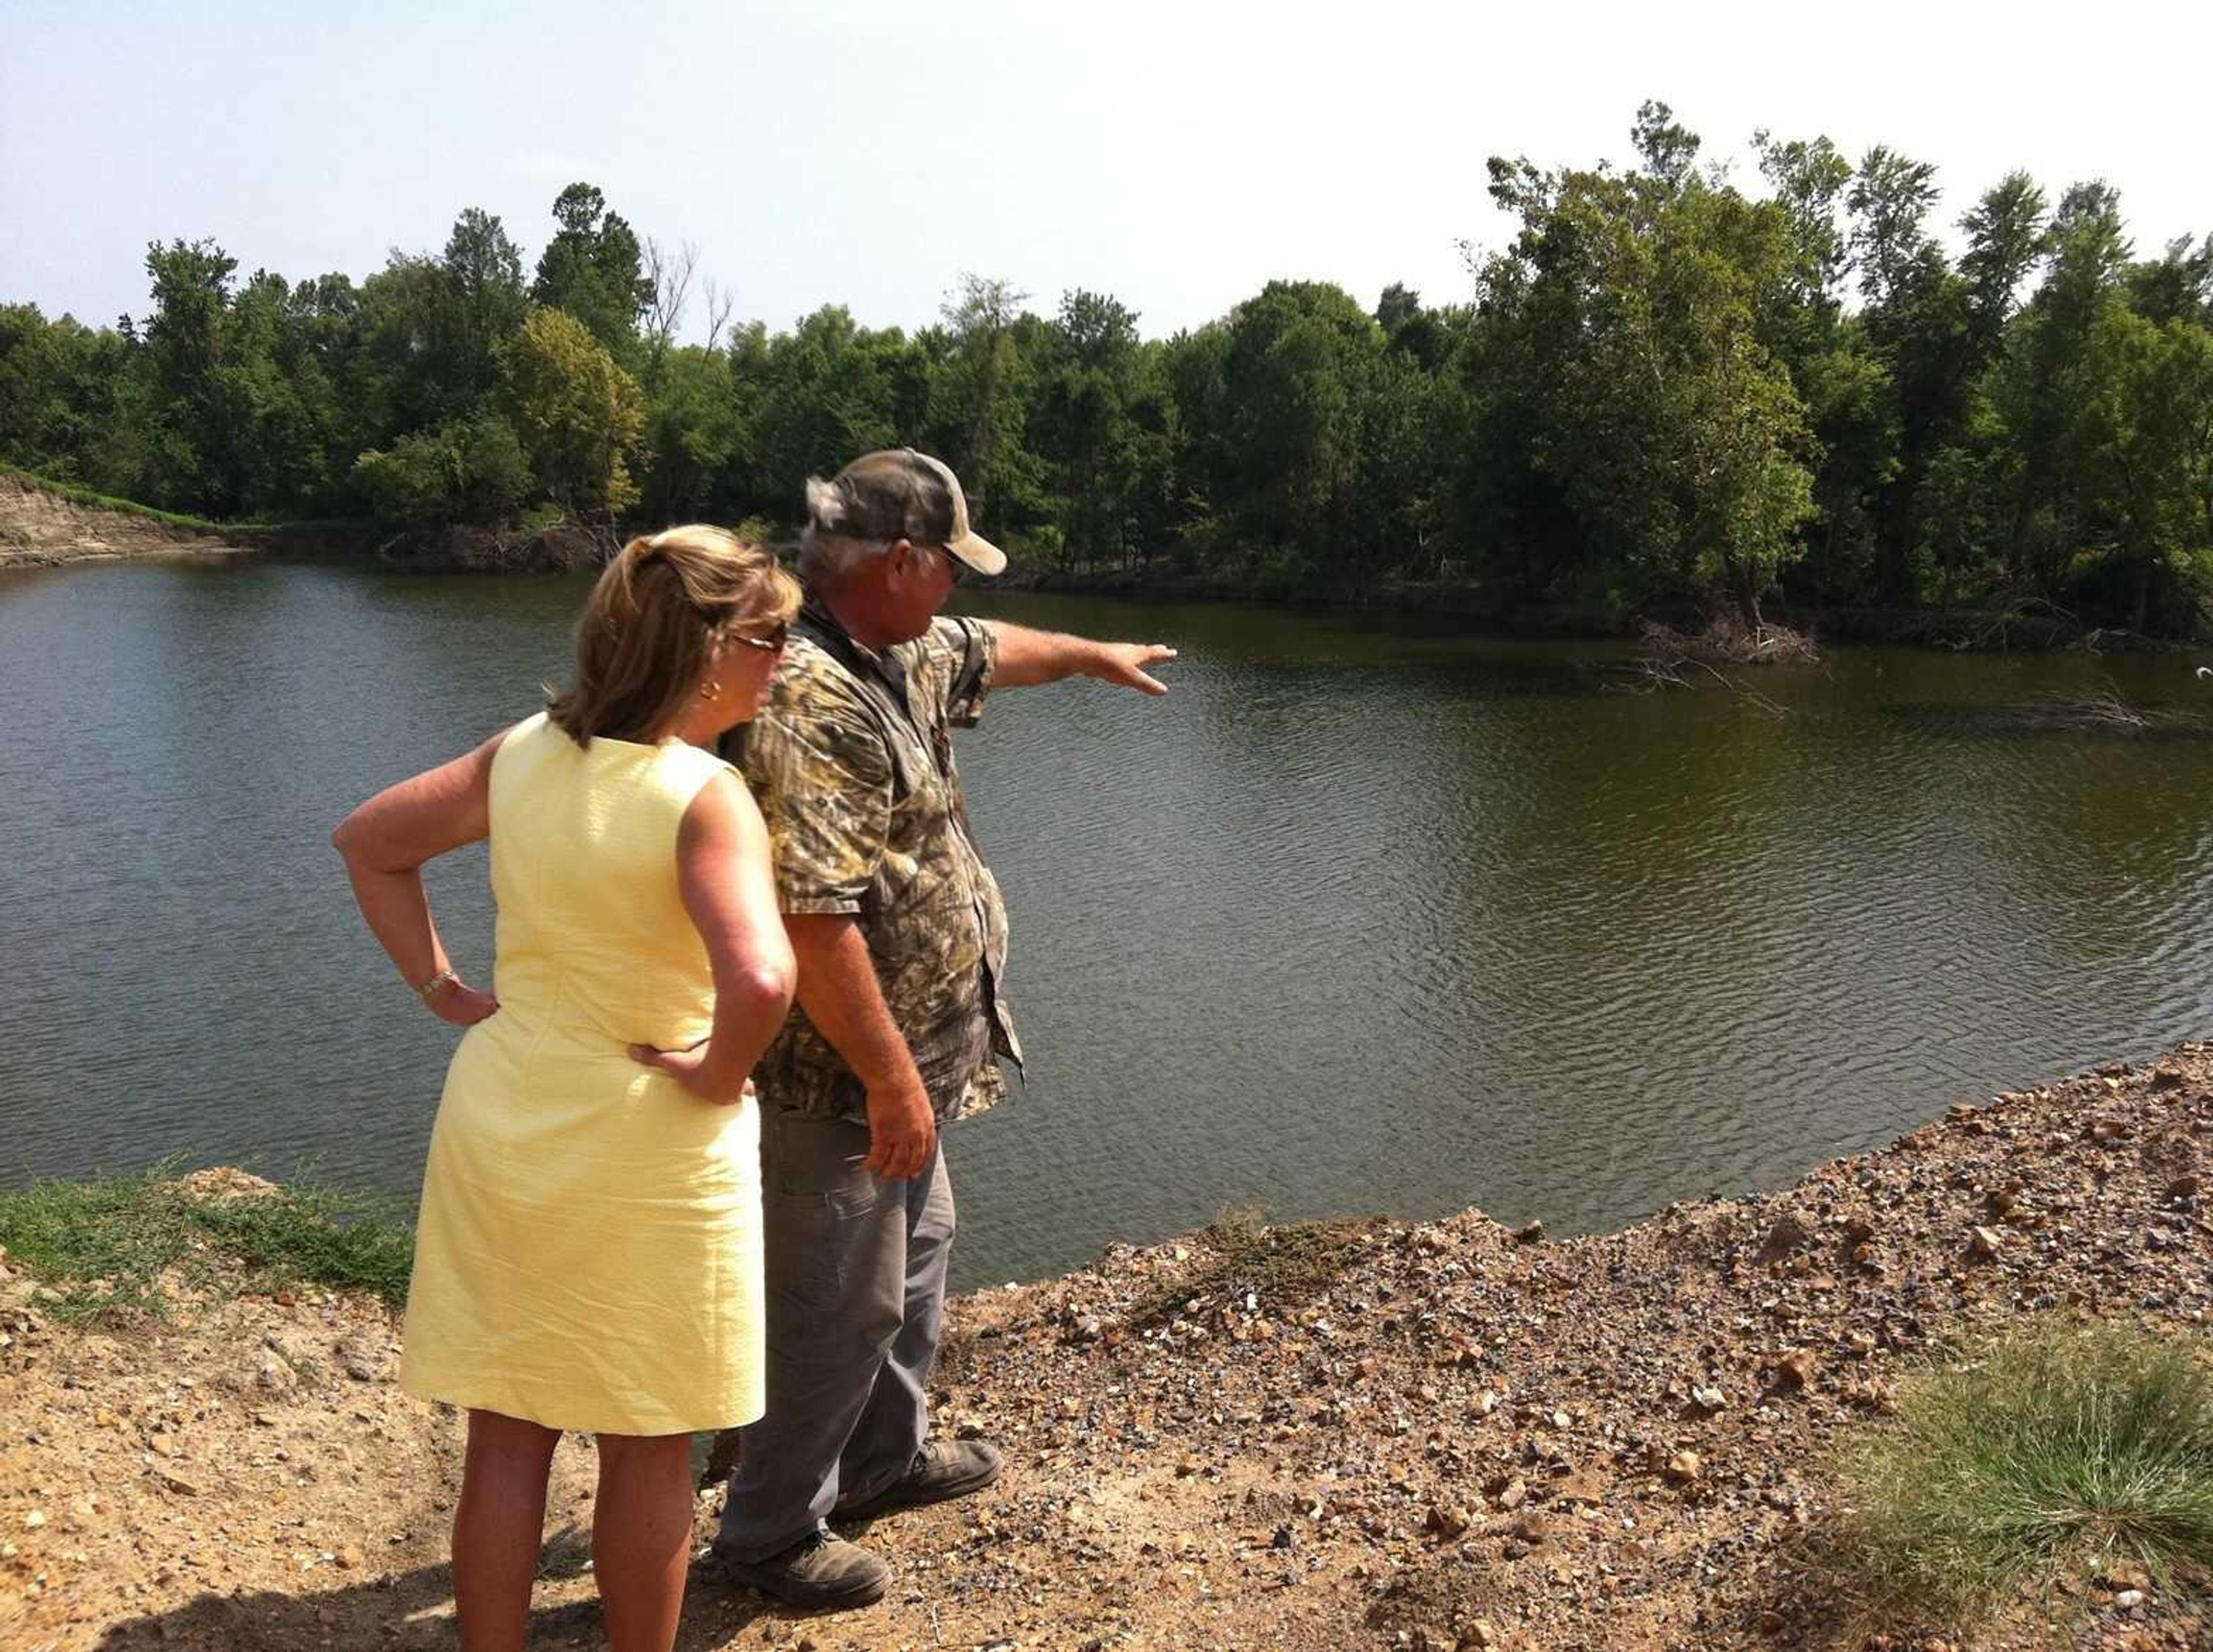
column 723, row 869
column 386, row 840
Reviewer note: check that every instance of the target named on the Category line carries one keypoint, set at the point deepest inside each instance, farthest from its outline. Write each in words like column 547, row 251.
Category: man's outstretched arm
column 1028, row 657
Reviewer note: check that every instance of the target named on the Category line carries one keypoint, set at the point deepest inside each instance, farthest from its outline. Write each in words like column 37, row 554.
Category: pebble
column 1797, row 1368
column 358, row 1358
column 1448, row 1520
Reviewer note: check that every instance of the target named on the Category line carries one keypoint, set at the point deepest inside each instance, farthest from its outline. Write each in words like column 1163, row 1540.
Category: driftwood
column 1672, row 659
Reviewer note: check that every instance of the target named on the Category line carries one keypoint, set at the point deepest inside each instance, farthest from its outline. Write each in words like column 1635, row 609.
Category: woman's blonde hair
column 660, row 613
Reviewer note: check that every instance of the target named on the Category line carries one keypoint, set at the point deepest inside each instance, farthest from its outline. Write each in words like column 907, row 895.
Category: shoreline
column 41, row 526
column 1367, row 1432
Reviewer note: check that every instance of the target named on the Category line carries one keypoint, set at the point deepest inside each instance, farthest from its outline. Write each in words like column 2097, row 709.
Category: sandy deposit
column 41, row 529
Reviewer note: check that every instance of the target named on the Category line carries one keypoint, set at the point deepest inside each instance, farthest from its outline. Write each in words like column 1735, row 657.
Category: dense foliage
column 1668, row 389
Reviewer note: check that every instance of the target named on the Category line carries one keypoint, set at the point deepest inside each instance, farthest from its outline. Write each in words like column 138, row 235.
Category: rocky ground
column 1385, row 1434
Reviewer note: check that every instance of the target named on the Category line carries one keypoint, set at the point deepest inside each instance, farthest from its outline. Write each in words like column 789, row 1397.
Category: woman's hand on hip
column 688, row 1067
column 462, row 1004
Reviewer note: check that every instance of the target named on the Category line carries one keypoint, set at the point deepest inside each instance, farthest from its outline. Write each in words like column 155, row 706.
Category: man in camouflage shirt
column 901, row 1017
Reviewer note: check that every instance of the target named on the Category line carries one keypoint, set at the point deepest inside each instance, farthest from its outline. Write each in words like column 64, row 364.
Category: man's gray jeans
column 855, row 1272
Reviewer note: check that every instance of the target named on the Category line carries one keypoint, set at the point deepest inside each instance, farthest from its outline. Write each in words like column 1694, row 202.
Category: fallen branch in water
column 2104, row 707
column 1675, row 660
column 1727, row 640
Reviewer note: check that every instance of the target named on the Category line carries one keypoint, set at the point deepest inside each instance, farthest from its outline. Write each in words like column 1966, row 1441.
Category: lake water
column 1365, row 917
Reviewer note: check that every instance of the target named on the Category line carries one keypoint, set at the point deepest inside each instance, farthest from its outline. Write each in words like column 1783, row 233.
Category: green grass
column 2061, row 1453
column 101, row 1247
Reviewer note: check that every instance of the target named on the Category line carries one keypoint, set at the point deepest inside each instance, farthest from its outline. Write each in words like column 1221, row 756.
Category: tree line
column 1667, row 389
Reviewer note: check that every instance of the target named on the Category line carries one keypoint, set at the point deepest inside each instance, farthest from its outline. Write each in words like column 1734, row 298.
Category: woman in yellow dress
column 588, row 1255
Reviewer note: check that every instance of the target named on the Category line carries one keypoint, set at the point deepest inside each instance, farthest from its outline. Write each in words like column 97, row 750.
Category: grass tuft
column 112, row 1247
column 2062, row 1453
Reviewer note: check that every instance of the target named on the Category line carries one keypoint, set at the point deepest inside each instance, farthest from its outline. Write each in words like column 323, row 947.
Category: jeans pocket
column 819, row 1162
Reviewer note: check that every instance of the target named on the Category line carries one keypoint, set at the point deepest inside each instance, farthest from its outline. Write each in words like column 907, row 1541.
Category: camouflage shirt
column 851, row 761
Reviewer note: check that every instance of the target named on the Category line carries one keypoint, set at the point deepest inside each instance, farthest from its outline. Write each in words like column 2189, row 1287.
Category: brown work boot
column 941, row 1469
column 819, row 1573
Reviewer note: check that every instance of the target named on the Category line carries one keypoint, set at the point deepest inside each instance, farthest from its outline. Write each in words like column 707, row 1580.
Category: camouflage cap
column 900, row 494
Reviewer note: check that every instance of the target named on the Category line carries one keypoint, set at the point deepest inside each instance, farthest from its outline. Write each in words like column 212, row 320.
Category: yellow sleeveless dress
column 589, row 1254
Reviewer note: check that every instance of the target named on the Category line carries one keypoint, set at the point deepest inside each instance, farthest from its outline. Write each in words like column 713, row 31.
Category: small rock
column 1683, row 1468
column 1529, row 1232
column 2128, row 1599
column 1984, row 1242
column 348, row 1558
column 1446, row 1520
column 1789, row 1233
column 34, row 1519
column 1515, row 1493
column 2184, row 1187
column 360, row 1358
column 1795, row 1369
column 1709, row 1399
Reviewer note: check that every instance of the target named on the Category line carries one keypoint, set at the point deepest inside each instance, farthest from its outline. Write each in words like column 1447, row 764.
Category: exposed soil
column 38, row 529
column 1381, row 1435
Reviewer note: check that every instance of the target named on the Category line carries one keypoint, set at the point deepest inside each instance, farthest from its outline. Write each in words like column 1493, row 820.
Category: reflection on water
column 1366, row 914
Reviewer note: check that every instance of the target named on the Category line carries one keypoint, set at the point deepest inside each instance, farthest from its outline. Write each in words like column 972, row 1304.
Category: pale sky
column 1177, row 156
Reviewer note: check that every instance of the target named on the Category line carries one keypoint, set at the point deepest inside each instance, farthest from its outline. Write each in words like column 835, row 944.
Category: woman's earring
column 708, row 690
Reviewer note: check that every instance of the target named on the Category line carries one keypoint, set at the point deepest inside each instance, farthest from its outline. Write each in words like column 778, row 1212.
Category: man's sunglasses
column 953, row 566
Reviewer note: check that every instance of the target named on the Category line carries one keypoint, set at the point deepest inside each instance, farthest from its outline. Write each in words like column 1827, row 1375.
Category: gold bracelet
column 437, row 981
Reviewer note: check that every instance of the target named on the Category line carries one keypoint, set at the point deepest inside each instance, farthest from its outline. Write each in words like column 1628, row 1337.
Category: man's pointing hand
column 1125, row 663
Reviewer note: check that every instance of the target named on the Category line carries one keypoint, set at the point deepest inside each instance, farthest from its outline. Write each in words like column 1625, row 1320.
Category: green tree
column 471, row 470
column 578, row 415
column 693, row 432
column 484, row 303
column 1629, row 312
column 979, row 393
column 2141, row 452
column 1105, row 458
column 593, row 269
column 194, row 440
column 1296, row 361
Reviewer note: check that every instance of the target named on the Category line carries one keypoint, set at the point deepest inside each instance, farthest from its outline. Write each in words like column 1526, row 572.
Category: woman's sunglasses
column 772, row 643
